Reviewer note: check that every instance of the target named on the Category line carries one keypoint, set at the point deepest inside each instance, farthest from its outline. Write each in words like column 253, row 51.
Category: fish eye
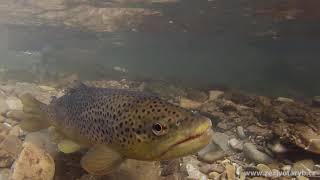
column 157, row 129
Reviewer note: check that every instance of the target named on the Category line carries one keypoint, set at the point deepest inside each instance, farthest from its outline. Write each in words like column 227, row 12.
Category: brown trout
column 116, row 124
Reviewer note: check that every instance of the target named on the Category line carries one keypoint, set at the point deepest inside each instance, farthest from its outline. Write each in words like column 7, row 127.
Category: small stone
column 33, row 163
column 189, row 104
column 4, row 174
column 214, row 175
column 206, row 169
column 302, row 178
column 194, row 172
column 212, row 156
column 286, row 168
column 277, row 147
column 259, row 131
column 284, row 100
column 252, row 153
column 14, row 103
column 9, row 148
column 11, row 122
column 263, row 168
column 12, row 145
column 4, row 130
column 236, row 144
column 16, row 131
column 231, row 172
column 198, row 96
column 221, row 139
column 16, row 115
column 306, row 165
column 316, row 101
column 241, row 133
column 215, row 94
column 6, row 160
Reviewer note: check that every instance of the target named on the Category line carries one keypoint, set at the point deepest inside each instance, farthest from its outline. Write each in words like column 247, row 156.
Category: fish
column 113, row 125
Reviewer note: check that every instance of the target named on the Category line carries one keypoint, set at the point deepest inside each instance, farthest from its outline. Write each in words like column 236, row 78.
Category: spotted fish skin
column 104, row 115
column 137, row 124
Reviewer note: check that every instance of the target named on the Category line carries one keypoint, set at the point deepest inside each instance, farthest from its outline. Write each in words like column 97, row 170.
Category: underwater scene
column 159, row 89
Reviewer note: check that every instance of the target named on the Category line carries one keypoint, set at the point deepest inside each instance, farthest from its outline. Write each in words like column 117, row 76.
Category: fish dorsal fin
column 76, row 86
column 101, row 160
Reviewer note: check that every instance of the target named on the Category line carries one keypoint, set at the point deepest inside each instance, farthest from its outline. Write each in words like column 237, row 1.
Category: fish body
column 124, row 123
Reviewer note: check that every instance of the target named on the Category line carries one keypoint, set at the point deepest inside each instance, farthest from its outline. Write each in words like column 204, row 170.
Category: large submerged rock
column 33, row 163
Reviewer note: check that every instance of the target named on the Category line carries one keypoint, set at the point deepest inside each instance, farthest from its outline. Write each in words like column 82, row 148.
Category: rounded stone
column 33, row 163
column 252, row 153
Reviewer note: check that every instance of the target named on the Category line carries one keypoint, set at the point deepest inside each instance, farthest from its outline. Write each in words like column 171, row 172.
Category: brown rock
column 189, row 104
column 206, row 169
column 10, row 146
column 303, row 166
column 231, row 172
column 16, row 115
column 33, row 163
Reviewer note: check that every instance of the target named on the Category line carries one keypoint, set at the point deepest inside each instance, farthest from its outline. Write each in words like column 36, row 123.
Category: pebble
column 194, row 173
column 221, row 139
column 33, row 163
column 277, row 147
column 214, row 175
column 231, row 172
column 189, row 104
column 14, row 103
column 9, row 148
column 252, row 153
column 6, row 160
column 316, row 101
column 241, row 133
column 286, row 168
column 302, row 178
column 4, row 174
column 16, row 114
column 236, row 144
column 263, row 168
column 215, row 94
column 284, row 100
column 16, row 131
column 206, row 169
column 306, row 165
column 198, row 96
column 212, row 156
column 11, row 122
column 4, row 130
column 12, row 145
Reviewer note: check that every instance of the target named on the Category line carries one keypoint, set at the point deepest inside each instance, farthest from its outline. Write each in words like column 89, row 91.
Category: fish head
column 165, row 131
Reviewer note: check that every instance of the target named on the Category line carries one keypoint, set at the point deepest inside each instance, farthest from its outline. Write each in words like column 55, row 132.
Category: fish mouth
column 189, row 145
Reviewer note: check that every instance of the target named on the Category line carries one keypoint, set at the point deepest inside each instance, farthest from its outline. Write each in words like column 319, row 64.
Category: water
column 243, row 48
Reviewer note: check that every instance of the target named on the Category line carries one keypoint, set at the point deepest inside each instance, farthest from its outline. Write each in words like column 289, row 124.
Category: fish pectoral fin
column 68, row 146
column 101, row 160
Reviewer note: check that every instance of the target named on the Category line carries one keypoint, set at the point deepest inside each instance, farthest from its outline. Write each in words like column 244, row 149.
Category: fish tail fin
column 35, row 114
